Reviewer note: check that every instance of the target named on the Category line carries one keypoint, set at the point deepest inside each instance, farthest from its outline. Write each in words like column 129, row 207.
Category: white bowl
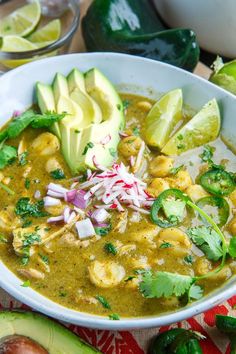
column 135, row 75
column 212, row 20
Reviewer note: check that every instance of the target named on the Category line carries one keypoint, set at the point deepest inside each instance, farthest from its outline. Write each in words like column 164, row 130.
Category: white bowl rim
column 100, row 322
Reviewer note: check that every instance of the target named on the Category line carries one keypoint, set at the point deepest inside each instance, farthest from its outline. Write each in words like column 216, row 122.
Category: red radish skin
column 20, row 345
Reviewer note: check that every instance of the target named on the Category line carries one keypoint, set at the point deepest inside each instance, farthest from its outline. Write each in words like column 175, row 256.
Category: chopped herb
column 110, row 248
column 195, row 292
column 188, row 259
column 207, row 154
column 37, row 228
column 30, row 239
column 3, row 239
column 47, row 229
column 119, row 106
column 232, row 247
column 77, row 131
column 126, row 104
column 26, row 223
column 89, row 145
column 136, row 131
column 7, row 189
column 57, row 174
column 208, row 240
column 103, row 301
column 25, row 259
column 175, row 170
column 129, row 278
column 25, row 208
column 44, row 258
column 103, row 231
column 180, row 137
column 112, row 152
column 180, row 146
column 165, row 245
column 26, row 284
column 27, row 183
column 8, row 155
column 114, row 317
column 23, row 158
column 62, row 293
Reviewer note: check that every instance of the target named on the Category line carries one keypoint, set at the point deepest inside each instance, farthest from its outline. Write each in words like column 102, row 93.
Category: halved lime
column 22, row 21
column 162, row 118
column 201, row 129
column 49, row 33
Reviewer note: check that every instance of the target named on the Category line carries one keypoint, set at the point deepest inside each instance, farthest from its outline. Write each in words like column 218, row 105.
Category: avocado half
column 50, row 335
column 94, row 115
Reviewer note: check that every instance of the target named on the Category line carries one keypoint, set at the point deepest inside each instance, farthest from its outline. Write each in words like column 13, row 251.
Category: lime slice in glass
column 201, row 129
column 162, row 118
column 22, row 21
column 49, row 33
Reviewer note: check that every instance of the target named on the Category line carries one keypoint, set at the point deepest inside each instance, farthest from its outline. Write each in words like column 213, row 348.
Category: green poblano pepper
column 133, row 27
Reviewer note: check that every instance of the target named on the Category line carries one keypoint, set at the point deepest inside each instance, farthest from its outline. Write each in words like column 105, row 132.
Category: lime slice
column 22, row 21
column 16, row 44
column 162, row 118
column 49, row 33
column 201, row 129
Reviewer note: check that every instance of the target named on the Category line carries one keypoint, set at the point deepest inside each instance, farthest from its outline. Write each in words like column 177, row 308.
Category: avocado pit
column 20, row 345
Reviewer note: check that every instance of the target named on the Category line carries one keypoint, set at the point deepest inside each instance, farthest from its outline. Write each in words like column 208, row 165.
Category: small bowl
column 69, row 24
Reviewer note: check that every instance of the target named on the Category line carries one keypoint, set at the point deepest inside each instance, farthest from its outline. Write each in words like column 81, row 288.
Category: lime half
column 22, row 21
column 47, row 34
column 225, row 76
column 201, row 129
column 162, row 118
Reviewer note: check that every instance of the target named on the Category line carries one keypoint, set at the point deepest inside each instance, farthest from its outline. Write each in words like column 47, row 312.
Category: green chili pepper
column 227, row 325
column 217, row 182
column 171, row 203
column 210, row 204
column 133, row 27
column 177, row 341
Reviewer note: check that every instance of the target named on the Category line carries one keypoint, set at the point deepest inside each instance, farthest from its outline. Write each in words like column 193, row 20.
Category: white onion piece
column 49, row 201
column 85, row 228
column 100, row 215
column 66, row 214
column 71, row 217
column 57, row 188
column 55, row 219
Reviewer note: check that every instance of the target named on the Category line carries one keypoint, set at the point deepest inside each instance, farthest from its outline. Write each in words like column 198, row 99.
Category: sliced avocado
column 75, row 79
column 103, row 92
column 52, row 336
column 46, row 102
column 60, row 88
column 76, row 83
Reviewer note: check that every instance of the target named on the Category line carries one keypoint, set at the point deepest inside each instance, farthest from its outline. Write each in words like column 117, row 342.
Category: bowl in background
column 133, row 75
column 213, row 21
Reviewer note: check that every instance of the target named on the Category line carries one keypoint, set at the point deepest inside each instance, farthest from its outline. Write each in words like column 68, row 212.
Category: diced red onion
column 37, row 194
column 57, row 188
column 79, row 200
column 85, row 228
column 71, row 217
column 100, row 215
column 55, row 194
column 55, row 219
column 66, row 214
column 70, row 195
column 49, row 201
column 101, row 224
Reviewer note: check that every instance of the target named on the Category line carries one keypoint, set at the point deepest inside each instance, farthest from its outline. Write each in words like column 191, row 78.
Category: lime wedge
column 22, row 21
column 49, row 33
column 225, row 76
column 201, row 129
column 162, row 118
column 16, row 44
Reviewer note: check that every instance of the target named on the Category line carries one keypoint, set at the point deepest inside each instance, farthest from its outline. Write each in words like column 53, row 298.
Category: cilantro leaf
column 22, row 158
column 175, row 170
column 102, row 231
column 114, row 317
column 104, row 302
column 26, row 284
column 89, row 145
column 57, row 174
column 208, row 240
column 207, row 154
column 156, row 285
column 195, row 292
column 25, row 208
column 110, row 248
column 20, row 123
column 7, row 155
column 126, row 104
column 46, row 120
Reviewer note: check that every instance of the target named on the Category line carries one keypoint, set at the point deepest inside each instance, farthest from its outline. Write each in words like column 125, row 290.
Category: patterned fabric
column 137, row 342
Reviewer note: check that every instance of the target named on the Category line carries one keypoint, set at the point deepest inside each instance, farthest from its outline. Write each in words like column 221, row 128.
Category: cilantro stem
column 8, row 190
column 216, row 228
